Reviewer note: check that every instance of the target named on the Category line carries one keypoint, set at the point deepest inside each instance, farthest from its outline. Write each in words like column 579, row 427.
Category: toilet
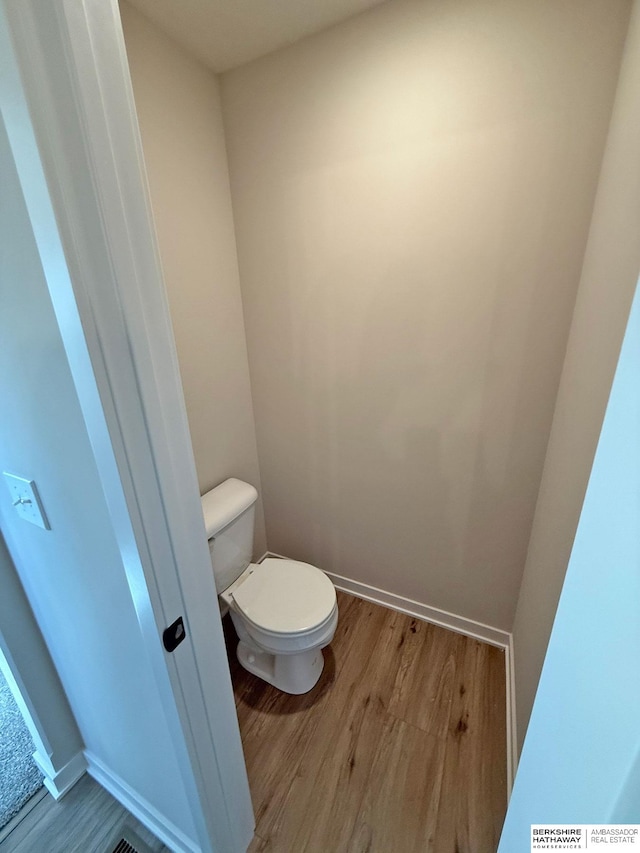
column 284, row 611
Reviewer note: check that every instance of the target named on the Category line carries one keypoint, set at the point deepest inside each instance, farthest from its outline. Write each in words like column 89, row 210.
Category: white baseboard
column 147, row 814
column 512, row 740
column 58, row 782
column 460, row 624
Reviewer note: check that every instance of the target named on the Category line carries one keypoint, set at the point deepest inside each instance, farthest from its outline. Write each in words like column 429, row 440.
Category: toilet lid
column 286, row 597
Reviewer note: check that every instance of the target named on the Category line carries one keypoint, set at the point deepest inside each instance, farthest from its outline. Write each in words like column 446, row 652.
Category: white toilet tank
column 228, row 512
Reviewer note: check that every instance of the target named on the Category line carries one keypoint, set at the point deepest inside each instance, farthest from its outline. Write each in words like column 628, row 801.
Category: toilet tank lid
column 225, row 503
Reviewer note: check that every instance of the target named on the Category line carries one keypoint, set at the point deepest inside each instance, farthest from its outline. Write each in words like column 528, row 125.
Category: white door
column 68, row 111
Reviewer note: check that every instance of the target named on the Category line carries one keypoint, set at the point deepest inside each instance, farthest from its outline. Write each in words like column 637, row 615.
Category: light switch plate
column 26, row 500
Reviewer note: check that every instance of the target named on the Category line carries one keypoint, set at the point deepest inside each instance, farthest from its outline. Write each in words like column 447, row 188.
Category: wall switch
column 26, row 500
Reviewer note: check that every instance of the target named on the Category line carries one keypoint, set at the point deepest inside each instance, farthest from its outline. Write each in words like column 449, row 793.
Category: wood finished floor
column 400, row 747
column 85, row 820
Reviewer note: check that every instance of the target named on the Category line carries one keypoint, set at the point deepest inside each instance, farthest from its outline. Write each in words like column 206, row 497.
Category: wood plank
column 326, row 796
column 333, row 764
column 259, row 845
column 474, row 789
column 424, row 685
column 24, row 811
column 84, row 821
column 400, row 806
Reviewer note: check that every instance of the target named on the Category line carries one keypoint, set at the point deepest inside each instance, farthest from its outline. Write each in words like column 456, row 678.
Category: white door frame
column 72, row 126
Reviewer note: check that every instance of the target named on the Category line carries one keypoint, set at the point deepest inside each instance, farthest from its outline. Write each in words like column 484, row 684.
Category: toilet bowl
column 284, row 611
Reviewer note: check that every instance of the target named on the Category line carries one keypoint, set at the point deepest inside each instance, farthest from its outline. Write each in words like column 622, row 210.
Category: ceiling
column 227, row 33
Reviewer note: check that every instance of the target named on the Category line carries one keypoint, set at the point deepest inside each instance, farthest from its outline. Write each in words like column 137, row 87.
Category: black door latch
column 174, row 635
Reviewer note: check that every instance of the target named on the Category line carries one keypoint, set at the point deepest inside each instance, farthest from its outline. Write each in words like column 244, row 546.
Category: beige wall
column 412, row 193
column 609, row 276
column 178, row 106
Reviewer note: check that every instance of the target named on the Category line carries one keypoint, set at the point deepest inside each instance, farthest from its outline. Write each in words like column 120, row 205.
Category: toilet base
column 294, row 674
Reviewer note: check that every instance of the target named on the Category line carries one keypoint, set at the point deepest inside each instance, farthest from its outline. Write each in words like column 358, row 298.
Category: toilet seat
column 286, row 598
column 284, row 613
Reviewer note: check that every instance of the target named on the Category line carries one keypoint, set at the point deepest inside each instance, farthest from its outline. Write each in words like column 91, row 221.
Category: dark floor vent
column 123, row 846
column 128, row 841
